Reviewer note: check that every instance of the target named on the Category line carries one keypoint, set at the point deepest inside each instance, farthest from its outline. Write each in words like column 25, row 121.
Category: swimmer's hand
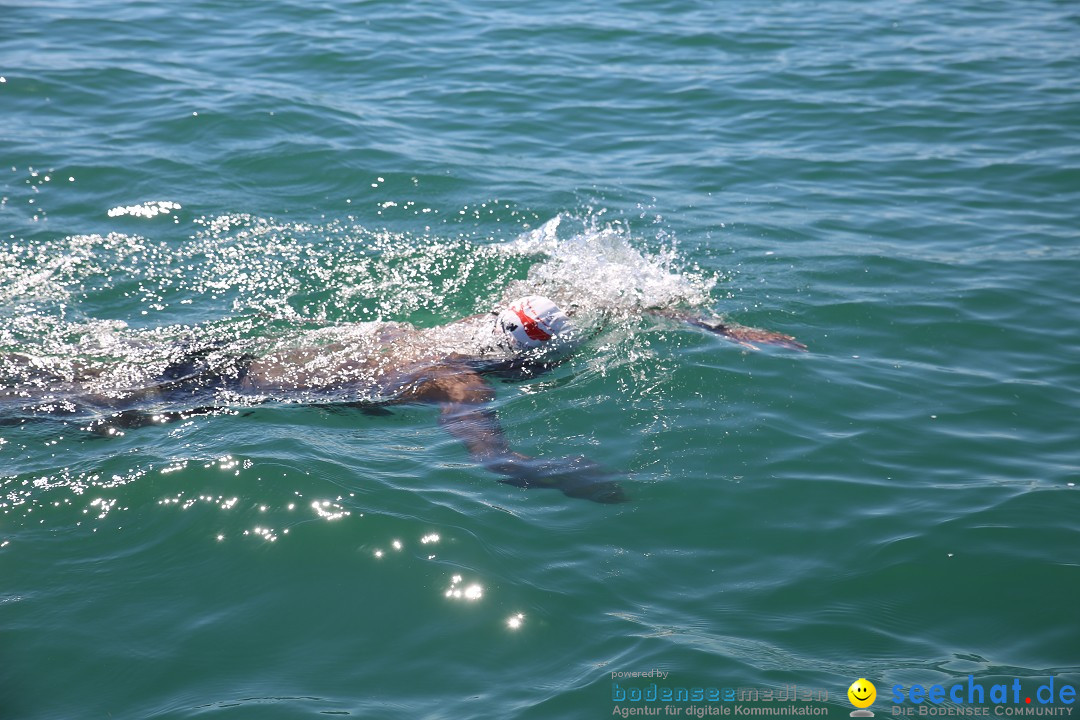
column 577, row 477
column 745, row 336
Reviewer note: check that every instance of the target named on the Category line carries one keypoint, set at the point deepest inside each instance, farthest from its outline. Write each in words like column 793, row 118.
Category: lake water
column 896, row 184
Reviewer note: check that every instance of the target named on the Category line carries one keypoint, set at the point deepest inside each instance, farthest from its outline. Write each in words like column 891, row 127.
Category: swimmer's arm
column 745, row 336
column 465, row 412
column 463, row 397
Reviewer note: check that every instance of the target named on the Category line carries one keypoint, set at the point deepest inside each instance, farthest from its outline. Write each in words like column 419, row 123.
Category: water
column 895, row 184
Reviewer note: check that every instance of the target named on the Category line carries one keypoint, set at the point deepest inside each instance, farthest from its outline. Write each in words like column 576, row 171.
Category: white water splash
column 247, row 284
column 146, row 209
column 600, row 267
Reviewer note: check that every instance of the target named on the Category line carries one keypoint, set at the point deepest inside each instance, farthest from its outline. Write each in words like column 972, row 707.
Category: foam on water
column 108, row 314
column 598, row 267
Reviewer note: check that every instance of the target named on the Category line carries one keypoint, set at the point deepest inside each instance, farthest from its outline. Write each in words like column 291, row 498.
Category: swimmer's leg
column 367, row 408
column 117, row 423
column 36, row 390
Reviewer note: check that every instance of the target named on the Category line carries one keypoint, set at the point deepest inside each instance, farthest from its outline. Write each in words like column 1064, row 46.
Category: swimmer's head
column 532, row 322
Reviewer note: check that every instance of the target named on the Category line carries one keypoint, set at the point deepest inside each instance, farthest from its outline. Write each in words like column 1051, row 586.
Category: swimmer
column 389, row 364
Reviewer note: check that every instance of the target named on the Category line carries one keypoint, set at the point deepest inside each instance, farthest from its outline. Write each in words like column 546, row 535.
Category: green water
column 895, row 184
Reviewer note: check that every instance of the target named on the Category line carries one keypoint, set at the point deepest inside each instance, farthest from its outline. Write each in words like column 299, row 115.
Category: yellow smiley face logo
column 862, row 693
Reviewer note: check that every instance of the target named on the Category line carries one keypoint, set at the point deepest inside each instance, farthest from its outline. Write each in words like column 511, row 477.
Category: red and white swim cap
column 530, row 322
